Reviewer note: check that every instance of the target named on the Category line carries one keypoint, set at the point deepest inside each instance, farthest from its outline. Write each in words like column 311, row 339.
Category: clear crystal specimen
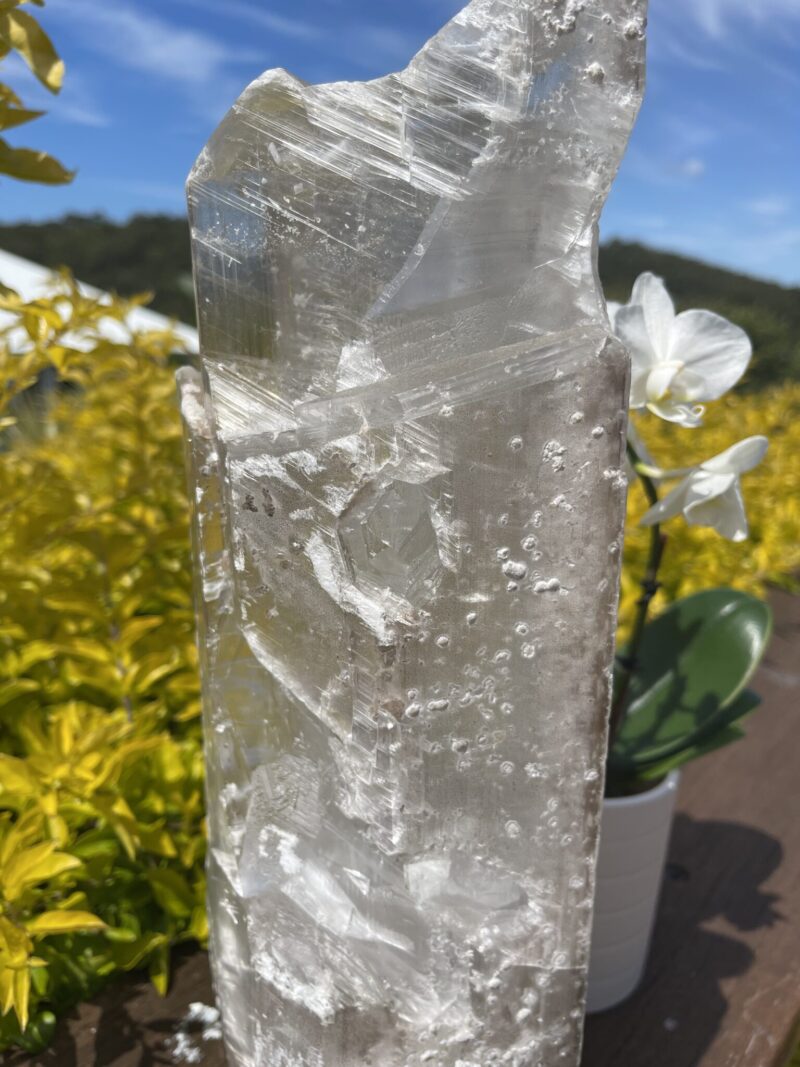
column 405, row 450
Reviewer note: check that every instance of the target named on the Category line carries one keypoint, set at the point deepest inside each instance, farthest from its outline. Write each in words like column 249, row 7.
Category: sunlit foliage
column 22, row 34
column 697, row 558
column 101, row 800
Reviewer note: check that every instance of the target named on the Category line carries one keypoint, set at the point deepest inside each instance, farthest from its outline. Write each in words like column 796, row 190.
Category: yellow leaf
column 19, row 687
column 71, row 902
column 137, row 627
column 31, row 165
column 36, row 652
column 198, row 927
column 191, row 711
column 15, row 944
column 6, row 989
column 158, row 841
column 159, row 969
column 27, row 830
column 145, row 683
column 11, row 116
column 27, row 37
column 65, row 733
column 22, row 992
column 63, row 922
column 15, row 777
column 83, row 648
column 121, row 820
column 35, row 864
column 58, row 829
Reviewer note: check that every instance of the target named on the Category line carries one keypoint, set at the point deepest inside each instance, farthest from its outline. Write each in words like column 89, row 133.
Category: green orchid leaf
column 726, row 731
column 694, row 662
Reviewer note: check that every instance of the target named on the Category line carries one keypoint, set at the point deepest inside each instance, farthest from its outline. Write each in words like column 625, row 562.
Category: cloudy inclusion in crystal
column 406, row 599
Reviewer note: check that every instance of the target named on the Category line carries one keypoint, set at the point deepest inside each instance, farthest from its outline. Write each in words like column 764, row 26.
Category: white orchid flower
column 711, row 494
column 679, row 361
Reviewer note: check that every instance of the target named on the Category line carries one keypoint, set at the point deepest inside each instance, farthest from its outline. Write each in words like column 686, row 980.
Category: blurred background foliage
column 697, row 557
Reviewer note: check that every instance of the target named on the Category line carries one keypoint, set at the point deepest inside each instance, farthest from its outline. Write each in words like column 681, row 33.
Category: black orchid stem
column 628, row 661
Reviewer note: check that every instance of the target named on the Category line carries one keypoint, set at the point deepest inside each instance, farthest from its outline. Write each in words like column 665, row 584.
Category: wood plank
column 722, row 988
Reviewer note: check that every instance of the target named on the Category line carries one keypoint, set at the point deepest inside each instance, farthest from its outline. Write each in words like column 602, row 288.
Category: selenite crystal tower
column 406, row 450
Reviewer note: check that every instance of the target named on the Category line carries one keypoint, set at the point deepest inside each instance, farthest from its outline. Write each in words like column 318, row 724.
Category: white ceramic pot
column 634, row 835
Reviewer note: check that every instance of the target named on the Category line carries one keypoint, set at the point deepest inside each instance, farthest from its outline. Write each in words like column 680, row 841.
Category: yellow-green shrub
column 697, row 557
column 101, row 764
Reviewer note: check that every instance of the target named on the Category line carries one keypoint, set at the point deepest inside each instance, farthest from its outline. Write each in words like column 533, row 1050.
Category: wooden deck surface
column 722, row 987
column 723, row 984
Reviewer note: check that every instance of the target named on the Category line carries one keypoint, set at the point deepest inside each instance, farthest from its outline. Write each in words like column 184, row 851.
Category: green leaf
column 129, row 956
column 29, row 165
column 172, row 891
column 159, row 969
column 724, row 734
column 694, row 662
column 39, row 1032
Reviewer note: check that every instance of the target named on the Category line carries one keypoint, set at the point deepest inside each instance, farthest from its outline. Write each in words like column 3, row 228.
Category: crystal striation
column 405, row 449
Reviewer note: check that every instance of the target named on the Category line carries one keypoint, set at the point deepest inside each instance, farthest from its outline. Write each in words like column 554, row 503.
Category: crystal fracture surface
column 405, row 450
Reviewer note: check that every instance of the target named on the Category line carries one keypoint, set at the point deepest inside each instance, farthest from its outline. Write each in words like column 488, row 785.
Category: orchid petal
column 688, row 384
column 630, row 328
column 724, row 513
column 660, row 379
column 682, row 414
column 715, row 352
column 739, row 458
column 666, row 508
column 702, row 486
column 650, row 293
column 639, row 387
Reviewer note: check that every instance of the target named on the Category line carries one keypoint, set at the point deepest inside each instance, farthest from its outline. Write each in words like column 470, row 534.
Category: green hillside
column 770, row 313
column 152, row 252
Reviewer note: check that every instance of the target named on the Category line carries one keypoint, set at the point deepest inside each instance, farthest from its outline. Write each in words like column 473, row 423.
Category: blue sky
column 713, row 168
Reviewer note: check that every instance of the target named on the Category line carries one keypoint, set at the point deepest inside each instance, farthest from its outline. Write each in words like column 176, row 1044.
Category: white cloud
column 202, row 66
column 717, row 18
column 75, row 104
column 382, row 44
column 299, row 29
column 144, row 42
column 770, row 206
column 662, row 170
column 693, row 167
column 726, row 35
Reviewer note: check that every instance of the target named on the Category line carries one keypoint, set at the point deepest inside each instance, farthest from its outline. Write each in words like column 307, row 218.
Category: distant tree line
column 769, row 313
column 151, row 252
